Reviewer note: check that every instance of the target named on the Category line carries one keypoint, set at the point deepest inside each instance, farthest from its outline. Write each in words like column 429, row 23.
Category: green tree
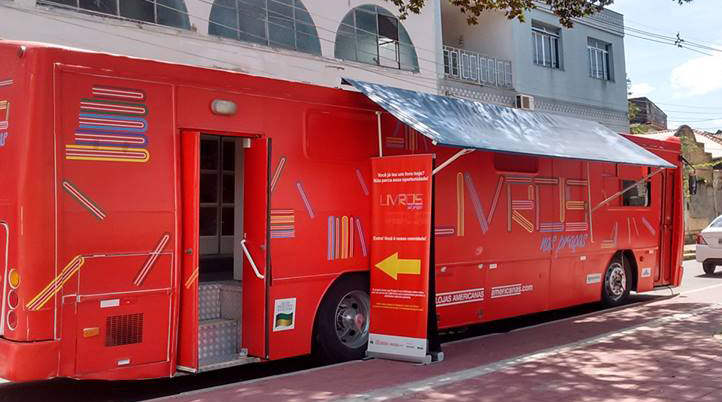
column 566, row 10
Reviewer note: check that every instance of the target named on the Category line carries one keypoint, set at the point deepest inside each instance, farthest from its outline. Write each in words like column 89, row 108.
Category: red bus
column 159, row 218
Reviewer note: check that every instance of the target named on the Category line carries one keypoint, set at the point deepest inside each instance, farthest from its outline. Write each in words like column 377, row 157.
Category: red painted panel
column 256, row 217
column 663, row 271
column 188, row 308
column 124, row 330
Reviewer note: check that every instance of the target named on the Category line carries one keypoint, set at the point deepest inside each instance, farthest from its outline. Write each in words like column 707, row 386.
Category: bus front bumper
column 28, row 361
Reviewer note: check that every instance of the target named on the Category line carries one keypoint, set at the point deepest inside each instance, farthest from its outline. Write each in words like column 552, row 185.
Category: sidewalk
column 661, row 351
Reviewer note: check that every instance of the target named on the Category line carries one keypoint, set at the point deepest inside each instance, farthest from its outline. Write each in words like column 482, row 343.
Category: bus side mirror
column 692, row 182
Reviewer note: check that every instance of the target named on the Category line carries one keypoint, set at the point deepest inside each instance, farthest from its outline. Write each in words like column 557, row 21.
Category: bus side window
column 638, row 196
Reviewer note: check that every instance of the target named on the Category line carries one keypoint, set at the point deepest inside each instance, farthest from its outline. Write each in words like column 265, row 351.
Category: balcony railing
column 476, row 68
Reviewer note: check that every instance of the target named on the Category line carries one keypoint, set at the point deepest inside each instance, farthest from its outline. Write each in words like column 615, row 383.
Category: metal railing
column 476, row 68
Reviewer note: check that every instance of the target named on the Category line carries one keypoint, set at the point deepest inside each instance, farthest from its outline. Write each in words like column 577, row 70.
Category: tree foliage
column 566, row 10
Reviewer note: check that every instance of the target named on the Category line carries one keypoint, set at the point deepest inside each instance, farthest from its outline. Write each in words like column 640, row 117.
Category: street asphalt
column 584, row 353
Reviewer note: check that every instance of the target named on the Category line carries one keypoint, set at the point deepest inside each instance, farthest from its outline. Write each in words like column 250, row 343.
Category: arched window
column 172, row 13
column 277, row 23
column 370, row 34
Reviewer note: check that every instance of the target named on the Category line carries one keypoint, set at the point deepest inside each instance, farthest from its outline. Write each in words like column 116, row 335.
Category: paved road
column 61, row 390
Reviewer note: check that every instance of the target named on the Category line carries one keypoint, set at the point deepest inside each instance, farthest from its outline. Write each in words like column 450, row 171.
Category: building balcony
column 475, row 68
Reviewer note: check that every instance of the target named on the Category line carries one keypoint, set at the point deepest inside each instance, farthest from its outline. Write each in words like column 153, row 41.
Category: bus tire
column 342, row 323
column 617, row 282
column 708, row 268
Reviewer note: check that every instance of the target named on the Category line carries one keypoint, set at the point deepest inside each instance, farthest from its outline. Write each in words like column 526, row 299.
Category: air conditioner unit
column 525, row 102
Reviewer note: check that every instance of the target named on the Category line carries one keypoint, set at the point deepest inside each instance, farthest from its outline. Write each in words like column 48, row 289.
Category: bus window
column 638, row 196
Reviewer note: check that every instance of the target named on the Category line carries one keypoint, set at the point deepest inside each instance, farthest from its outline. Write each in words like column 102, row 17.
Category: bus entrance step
column 221, row 362
column 217, row 338
column 209, row 295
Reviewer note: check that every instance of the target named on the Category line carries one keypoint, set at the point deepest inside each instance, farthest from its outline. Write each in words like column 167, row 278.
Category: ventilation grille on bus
column 124, row 329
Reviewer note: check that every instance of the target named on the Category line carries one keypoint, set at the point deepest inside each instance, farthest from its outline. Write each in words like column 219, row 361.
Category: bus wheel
column 341, row 332
column 617, row 280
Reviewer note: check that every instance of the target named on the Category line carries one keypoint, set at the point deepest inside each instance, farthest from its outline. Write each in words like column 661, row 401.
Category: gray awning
column 467, row 124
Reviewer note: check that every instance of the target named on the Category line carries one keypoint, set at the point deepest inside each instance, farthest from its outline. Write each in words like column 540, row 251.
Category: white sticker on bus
column 646, row 272
column 284, row 314
column 459, row 297
column 510, row 290
column 109, row 303
column 594, row 278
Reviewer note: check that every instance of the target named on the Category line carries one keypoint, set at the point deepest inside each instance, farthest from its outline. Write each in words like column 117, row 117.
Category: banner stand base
column 428, row 359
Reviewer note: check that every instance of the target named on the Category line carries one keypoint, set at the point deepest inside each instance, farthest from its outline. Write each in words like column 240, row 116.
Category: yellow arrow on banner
column 393, row 266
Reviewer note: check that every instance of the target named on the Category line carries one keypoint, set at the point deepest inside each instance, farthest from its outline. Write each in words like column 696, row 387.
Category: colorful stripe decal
column 361, row 237
column 6, row 82
column 459, row 204
column 442, row 231
column 42, row 298
column 395, row 142
column 150, row 261
column 362, row 182
column 302, row 193
column 522, row 205
column 476, row 203
column 120, row 108
column 612, row 243
column 523, row 221
column 100, row 138
column 562, row 201
column 283, row 223
column 629, row 230
column 83, row 200
column 499, row 183
column 108, row 154
column 112, row 122
column 518, row 179
column 277, row 173
column 546, row 180
column 649, row 226
column 4, row 114
column 551, row 227
column 576, row 205
column 118, row 93
column 577, row 226
column 191, row 279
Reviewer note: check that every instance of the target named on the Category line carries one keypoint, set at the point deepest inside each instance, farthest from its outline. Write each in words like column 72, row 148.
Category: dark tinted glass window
column 277, row 23
column 171, row 13
column 638, row 196
column 101, row 6
column 370, row 34
column 138, row 10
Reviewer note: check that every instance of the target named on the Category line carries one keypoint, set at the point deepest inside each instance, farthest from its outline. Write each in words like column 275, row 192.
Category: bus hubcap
column 616, row 281
column 352, row 324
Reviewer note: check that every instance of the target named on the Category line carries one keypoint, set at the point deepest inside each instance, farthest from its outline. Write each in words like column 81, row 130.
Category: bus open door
column 669, row 241
column 224, row 271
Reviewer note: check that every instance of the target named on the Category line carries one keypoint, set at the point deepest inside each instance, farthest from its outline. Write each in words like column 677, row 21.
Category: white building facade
column 578, row 72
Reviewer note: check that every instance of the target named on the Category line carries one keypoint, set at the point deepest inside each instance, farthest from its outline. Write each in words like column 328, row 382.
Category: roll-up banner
column 400, row 257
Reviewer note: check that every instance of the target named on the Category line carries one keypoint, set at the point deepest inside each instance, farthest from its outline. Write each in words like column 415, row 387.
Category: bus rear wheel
column 617, row 282
column 341, row 331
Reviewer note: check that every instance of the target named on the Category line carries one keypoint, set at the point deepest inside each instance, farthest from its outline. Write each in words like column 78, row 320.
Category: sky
column 685, row 84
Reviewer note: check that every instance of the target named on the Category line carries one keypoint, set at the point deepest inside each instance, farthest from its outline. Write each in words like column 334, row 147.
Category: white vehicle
column 709, row 246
